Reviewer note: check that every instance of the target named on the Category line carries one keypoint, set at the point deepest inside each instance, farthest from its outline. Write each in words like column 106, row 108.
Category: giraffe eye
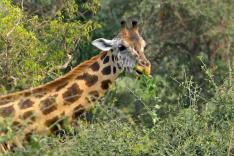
column 122, row 48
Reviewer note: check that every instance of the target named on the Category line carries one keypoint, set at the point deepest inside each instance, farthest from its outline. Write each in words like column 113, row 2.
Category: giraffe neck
column 66, row 97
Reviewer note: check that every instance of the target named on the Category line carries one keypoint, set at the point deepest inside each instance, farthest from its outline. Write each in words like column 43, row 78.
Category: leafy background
column 186, row 108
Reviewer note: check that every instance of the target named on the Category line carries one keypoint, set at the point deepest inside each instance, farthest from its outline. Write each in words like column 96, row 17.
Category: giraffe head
column 128, row 49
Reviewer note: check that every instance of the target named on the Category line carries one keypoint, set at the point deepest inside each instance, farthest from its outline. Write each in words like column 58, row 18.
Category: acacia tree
column 36, row 44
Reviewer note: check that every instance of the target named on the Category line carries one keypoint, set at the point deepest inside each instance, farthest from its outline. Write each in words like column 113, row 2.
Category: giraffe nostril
column 147, row 64
column 144, row 63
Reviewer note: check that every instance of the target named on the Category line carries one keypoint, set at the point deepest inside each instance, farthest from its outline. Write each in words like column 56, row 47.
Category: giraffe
column 43, row 108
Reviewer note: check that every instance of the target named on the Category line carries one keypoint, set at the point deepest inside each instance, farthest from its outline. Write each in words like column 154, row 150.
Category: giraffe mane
column 50, row 85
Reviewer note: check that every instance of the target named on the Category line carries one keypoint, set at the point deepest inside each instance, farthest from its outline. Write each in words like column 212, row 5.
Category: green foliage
column 33, row 47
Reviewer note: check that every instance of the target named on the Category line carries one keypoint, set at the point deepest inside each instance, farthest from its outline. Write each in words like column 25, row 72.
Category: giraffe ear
column 103, row 44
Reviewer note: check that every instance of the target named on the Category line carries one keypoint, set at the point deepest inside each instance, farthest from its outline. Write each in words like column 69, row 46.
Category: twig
column 65, row 65
column 229, row 149
column 18, row 22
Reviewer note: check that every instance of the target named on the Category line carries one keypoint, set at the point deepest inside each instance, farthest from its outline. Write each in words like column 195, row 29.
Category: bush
column 112, row 130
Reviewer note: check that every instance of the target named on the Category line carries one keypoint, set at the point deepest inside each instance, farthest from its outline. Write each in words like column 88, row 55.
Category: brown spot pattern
column 48, row 105
column 28, row 136
column 114, row 70
column 61, row 86
column 105, row 84
column 93, row 95
column 72, row 94
column 116, row 58
column 119, row 67
column 26, row 94
column 23, row 104
column 95, row 66
column 16, row 125
column 103, row 56
column 5, row 100
column 106, row 70
column 7, row 111
column 40, row 94
column 77, row 111
column 55, row 123
column 88, row 78
column 51, row 121
column 29, row 115
column 106, row 59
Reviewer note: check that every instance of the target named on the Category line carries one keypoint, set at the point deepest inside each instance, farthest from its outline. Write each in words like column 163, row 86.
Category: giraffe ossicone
column 42, row 108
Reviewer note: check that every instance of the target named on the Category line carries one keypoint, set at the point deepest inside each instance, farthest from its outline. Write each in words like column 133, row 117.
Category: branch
column 18, row 22
column 65, row 65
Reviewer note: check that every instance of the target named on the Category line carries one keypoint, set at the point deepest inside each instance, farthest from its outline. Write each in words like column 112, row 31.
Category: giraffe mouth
column 139, row 72
column 142, row 70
